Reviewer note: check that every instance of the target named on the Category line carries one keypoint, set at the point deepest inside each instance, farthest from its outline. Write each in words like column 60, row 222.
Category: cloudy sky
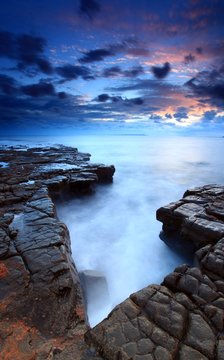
column 73, row 65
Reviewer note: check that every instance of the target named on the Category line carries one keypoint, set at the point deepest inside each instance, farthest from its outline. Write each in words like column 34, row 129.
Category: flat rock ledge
column 42, row 313
column 183, row 318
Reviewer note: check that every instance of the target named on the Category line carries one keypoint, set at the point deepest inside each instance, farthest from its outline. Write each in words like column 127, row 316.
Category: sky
column 135, row 66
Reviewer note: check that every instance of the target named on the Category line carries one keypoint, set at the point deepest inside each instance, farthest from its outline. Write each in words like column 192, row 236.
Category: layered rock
column 42, row 313
column 183, row 318
column 197, row 218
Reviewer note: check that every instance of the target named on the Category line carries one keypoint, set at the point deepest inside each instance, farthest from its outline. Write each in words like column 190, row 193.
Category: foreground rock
column 42, row 312
column 183, row 317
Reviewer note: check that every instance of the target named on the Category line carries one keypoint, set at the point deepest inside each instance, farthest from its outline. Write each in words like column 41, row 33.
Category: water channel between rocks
column 114, row 232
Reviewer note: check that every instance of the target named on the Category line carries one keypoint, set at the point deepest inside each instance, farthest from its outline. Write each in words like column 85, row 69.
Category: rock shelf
column 41, row 302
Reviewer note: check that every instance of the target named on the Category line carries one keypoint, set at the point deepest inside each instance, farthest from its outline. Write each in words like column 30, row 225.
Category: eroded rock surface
column 197, row 218
column 42, row 314
column 183, row 318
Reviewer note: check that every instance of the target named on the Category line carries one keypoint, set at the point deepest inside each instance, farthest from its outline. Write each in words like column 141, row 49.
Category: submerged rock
column 95, row 290
column 95, row 286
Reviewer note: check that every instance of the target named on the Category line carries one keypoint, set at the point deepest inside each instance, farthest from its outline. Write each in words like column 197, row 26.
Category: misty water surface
column 115, row 230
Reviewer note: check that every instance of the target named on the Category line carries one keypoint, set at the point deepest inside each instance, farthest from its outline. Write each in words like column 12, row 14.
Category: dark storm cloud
column 137, row 101
column 62, row 95
column 161, row 72
column 168, row 116
column 113, row 71
column 209, row 116
column 102, row 98
column 29, row 48
column 33, row 101
column 45, row 66
column 181, row 113
column 8, row 85
column 71, row 72
column 199, row 50
column 189, row 58
column 134, row 72
column 116, row 71
column 31, row 108
column 157, row 119
column 89, row 8
column 96, row 55
column 39, row 90
column 162, row 29
column 132, row 47
column 209, row 85
column 153, row 86
column 12, row 107
column 156, row 94
column 7, row 44
column 26, row 50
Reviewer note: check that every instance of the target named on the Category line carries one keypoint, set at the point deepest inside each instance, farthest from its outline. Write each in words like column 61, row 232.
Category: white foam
column 57, row 166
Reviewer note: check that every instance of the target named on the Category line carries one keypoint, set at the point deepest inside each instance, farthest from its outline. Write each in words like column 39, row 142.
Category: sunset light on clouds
column 140, row 65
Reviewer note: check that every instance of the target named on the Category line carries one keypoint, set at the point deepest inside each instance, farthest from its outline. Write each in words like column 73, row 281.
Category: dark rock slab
column 183, row 318
column 197, row 218
column 42, row 311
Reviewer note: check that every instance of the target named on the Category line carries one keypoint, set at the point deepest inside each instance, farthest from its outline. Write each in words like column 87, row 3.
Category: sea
column 114, row 231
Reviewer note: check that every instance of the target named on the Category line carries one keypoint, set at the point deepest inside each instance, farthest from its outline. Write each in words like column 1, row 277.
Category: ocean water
column 115, row 231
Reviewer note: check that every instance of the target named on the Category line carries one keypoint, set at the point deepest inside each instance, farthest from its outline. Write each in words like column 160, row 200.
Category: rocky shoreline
column 183, row 318
column 42, row 311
